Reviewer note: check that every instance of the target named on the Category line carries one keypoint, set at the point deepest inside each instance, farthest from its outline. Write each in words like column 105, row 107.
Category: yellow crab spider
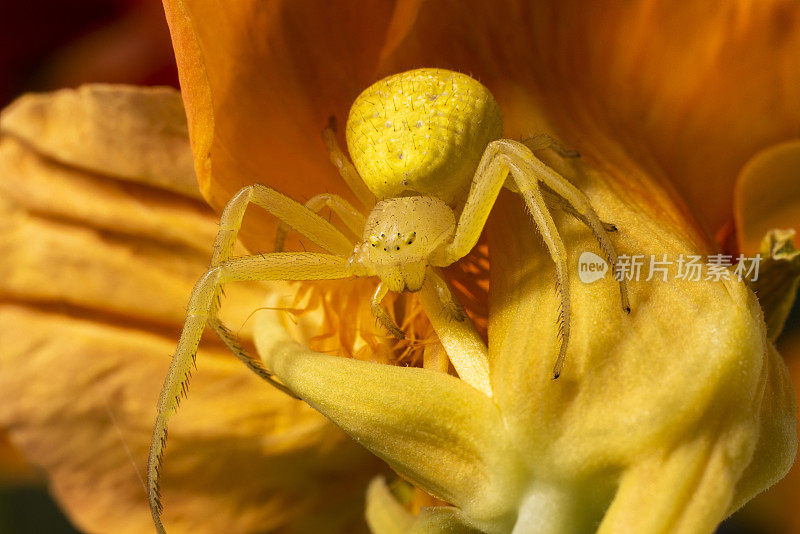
column 428, row 164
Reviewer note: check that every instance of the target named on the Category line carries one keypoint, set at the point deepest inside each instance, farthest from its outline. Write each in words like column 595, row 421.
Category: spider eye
column 398, row 248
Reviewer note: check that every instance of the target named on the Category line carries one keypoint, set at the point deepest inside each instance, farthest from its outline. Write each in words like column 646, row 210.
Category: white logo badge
column 591, row 267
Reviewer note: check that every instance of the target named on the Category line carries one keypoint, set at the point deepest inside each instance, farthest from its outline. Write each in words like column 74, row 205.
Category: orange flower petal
column 768, row 194
column 14, row 469
column 673, row 85
column 627, row 84
column 691, row 91
column 259, row 85
column 79, row 400
column 94, row 278
column 96, row 114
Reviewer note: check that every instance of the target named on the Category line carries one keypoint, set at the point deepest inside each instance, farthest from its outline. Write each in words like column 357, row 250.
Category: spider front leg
column 381, row 314
column 289, row 211
column 202, row 304
column 558, row 252
column 501, row 159
column 531, row 167
column 450, row 308
column 551, row 197
column 543, row 140
column 346, row 169
column 352, row 218
column 292, row 214
column 456, row 332
column 447, row 306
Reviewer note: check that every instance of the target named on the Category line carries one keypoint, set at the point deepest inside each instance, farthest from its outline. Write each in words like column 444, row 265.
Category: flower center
column 334, row 317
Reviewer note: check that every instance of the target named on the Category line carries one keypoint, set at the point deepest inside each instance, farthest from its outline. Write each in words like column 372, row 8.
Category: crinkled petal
column 110, row 132
column 96, row 272
column 78, row 396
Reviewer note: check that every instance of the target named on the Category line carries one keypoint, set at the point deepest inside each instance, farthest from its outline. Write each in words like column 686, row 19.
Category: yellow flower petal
column 666, row 394
column 441, row 433
column 672, row 409
column 386, row 516
column 776, row 509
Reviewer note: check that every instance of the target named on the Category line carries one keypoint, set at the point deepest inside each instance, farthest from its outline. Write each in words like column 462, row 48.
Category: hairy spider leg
column 543, row 140
column 457, row 333
column 552, row 198
column 352, row 218
column 381, row 314
column 555, row 245
column 204, row 301
column 486, row 185
column 577, row 199
column 290, row 212
column 504, row 158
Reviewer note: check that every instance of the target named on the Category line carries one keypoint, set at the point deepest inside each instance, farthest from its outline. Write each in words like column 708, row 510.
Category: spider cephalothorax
column 396, row 247
column 428, row 165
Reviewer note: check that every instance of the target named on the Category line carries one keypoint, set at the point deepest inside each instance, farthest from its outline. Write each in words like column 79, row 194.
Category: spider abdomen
column 422, row 131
